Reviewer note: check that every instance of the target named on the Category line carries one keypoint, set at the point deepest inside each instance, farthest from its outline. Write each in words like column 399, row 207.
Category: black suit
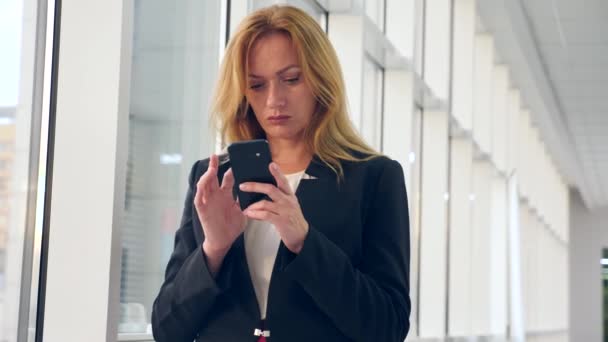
column 350, row 282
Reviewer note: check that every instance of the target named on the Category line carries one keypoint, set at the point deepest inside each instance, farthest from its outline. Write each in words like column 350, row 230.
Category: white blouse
column 261, row 245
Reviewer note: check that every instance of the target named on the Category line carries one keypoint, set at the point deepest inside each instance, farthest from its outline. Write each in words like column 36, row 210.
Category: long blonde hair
column 330, row 134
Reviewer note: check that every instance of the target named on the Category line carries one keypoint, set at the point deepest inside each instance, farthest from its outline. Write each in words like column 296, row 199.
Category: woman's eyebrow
column 283, row 70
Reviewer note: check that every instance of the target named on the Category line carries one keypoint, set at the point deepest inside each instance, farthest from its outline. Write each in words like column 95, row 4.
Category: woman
column 327, row 259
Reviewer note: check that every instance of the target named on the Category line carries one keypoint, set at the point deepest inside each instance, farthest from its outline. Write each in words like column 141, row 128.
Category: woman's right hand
column 220, row 215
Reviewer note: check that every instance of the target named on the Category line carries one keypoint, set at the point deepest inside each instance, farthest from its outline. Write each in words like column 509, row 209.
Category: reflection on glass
column 174, row 65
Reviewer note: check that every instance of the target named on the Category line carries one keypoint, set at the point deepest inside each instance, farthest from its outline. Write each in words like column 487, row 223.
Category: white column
column 437, row 23
column 516, row 261
column 238, row 11
column 523, row 167
column 346, row 35
column 534, row 160
column 83, row 272
column 433, row 235
column 483, row 172
column 499, row 116
column 462, row 63
column 398, row 109
column 498, row 257
column 461, row 201
column 513, row 116
column 400, row 27
column 482, row 81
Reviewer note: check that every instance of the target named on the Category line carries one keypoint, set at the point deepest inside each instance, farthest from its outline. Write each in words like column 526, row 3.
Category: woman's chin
column 282, row 133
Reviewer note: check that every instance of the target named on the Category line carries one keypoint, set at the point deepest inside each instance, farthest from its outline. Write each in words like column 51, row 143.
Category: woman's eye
column 255, row 86
column 292, row 79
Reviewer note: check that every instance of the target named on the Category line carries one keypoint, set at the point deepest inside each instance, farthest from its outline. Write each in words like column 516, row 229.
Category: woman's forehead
column 273, row 48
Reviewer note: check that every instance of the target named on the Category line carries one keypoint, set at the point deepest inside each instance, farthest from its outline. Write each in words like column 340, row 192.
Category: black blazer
column 350, row 281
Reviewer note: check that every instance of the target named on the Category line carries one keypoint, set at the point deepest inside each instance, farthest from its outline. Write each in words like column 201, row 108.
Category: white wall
column 588, row 235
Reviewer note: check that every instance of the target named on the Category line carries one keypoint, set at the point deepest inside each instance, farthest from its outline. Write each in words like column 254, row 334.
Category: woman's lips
column 278, row 119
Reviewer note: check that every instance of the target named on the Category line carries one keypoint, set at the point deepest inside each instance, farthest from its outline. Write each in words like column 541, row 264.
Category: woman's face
column 282, row 101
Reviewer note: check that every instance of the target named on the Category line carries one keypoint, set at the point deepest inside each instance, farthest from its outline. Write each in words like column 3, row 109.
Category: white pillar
column 398, row 111
column 82, row 290
column 433, row 231
column 483, row 173
column 437, row 46
column 346, row 35
column 516, row 300
column 462, row 62
column 498, row 257
column 499, row 116
column 461, row 201
column 482, row 81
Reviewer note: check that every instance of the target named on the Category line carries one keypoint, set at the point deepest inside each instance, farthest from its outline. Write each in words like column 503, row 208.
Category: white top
column 261, row 245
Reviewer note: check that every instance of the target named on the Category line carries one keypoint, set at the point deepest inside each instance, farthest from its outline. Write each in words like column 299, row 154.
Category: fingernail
column 242, row 186
column 274, row 166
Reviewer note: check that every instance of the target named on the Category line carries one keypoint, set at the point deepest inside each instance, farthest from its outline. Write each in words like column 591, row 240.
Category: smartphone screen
column 249, row 161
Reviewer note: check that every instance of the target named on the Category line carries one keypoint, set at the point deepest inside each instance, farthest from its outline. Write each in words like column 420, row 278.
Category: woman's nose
column 276, row 95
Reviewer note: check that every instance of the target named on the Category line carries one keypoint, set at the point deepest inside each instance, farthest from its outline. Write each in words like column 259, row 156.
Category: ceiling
column 558, row 53
column 572, row 40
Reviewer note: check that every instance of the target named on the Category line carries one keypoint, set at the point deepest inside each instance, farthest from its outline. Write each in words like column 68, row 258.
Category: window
column 174, row 67
column 23, row 87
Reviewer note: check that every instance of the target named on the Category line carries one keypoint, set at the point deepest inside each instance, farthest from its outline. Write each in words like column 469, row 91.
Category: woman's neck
column 291, row 156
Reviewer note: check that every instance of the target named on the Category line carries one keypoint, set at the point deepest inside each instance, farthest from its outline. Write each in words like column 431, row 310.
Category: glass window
column 372, row 94
column 174, row 66
column 22, row 89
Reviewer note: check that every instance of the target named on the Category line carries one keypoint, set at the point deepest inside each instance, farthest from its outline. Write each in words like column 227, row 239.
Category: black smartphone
column 249, row 161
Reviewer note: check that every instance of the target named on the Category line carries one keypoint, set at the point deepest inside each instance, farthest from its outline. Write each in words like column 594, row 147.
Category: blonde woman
column 327, row 258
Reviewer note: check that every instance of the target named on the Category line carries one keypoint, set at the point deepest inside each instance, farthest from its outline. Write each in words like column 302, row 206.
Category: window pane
column 175, row 60
column 23, row 96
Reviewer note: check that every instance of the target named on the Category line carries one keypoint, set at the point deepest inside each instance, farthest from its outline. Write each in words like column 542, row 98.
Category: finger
column 213, row 161
column 198, row 200
column 262, row 215
column 208, row 181
column 228, row 181
column 264, row 205
column 272, row 191
column 282, row 182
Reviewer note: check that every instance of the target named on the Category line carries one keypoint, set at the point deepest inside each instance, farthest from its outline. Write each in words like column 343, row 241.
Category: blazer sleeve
column 189, row 290
column 369, row 302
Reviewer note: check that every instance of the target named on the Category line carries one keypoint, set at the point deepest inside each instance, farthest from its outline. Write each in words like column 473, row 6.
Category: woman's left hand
column 283, row 211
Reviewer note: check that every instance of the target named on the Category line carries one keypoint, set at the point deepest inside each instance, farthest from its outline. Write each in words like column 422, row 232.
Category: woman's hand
column 283, row 211
column 219, row 213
